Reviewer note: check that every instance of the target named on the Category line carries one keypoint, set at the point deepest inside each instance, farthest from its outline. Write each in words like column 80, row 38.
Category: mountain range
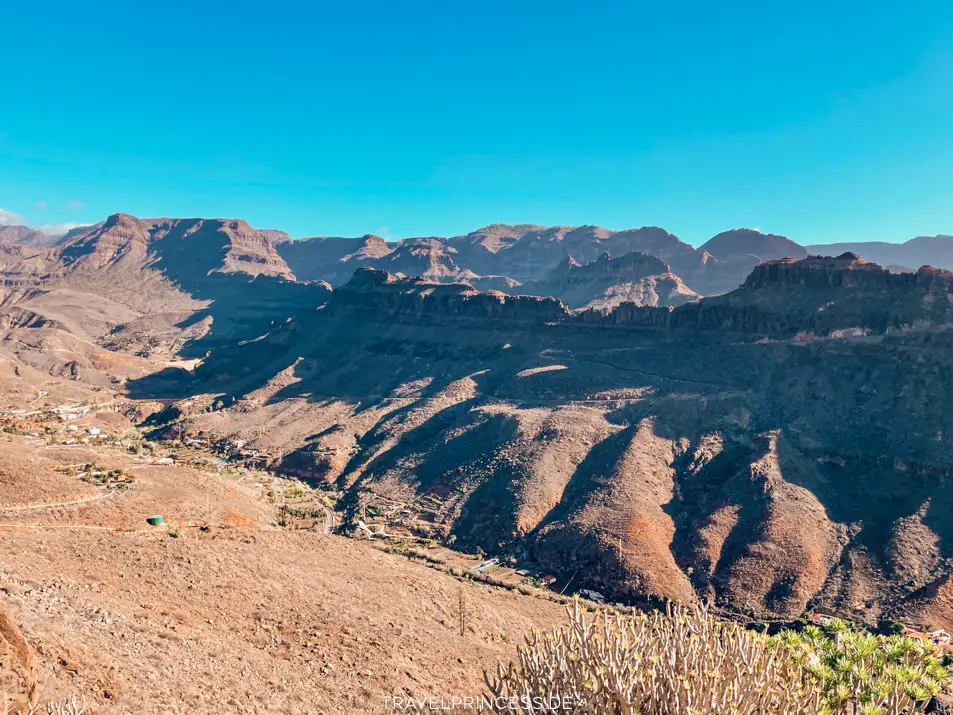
column 503, row 257
column 747, row 422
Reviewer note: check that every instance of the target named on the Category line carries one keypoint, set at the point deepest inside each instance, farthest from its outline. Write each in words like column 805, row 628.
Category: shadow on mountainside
column 858, row 424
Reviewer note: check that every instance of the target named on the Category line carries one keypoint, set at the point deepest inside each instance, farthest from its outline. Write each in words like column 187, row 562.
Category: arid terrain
column 222, row 608
column 556, row 409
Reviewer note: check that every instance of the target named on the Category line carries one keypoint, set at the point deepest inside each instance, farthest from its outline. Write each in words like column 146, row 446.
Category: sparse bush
column 884, row 674
column 295, row 492
column 71, row 706
column 288, row 515
column 685, row 661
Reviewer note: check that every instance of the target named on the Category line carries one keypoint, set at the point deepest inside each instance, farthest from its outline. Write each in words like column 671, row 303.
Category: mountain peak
column 23, row 236
column 740, row 243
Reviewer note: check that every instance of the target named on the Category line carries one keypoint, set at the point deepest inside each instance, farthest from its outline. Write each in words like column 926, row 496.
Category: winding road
column 53, row 505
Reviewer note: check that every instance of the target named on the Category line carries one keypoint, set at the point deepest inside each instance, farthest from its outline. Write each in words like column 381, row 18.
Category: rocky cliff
column 509, row 254
column 332, row 259
column 720, row 450
column 145, row 278
column 607, row 282
column 189, row 247
column 381, row 293
column 817, row 296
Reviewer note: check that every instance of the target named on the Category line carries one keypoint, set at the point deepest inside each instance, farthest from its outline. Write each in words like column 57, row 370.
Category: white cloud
column 11, row 218
column 58, row 229
column 75, row 205
column 40, row 205
column 383, row 232
column 8, row 218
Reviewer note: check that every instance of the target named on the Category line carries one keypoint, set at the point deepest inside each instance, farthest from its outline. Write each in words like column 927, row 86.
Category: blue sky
column 821, row 120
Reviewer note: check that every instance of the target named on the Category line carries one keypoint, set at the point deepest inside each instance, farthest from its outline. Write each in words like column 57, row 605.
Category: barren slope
column 236, row 616
column 755, row 447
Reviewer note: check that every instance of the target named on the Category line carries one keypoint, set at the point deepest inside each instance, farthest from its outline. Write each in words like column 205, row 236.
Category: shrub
column 70, row 706
column 882, row 674
column 288, row 515
column 685, row 662
column 295, row 492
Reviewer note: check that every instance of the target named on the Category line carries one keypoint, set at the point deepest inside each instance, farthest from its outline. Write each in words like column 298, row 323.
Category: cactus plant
column 687, row 662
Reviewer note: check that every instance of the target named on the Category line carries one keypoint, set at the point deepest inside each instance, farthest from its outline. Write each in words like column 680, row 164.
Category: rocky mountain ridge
column 906, row 256
column 607, row 282
column 745, row 243
column 775, row 447
column 22, row 236
column 499, row 256
column 783, row 297
column 505, row 256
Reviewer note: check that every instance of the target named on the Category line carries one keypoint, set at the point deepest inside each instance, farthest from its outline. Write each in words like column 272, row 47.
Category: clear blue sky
column 824, row 120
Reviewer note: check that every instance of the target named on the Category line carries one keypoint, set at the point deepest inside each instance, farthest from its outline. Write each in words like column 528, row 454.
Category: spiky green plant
column 686, row 662
column 862, row 673
column 682, row 661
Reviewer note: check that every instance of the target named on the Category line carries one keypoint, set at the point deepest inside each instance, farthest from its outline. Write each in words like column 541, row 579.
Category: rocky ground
column 220, row 610
column 778, row 448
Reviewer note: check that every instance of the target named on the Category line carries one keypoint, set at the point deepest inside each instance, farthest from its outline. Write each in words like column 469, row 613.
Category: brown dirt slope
column 222, row 611
column 789, row 447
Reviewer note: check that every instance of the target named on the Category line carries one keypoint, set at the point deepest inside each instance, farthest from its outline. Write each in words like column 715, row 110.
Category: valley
column 348, row 439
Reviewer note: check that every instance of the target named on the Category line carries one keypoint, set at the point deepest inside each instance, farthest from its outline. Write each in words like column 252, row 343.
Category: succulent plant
column 687, row 662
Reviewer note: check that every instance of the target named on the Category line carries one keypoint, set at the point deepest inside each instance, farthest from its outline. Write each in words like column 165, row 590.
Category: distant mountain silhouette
column 921, row 251
column 741, row 243
column 23, row 236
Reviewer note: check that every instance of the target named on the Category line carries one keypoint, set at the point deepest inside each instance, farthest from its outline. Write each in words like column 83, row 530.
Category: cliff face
column 510, row 255
column 332, row 259
column 846, row 270
column 780, row 298
column 631, row 266
column 427, row 258
column 478, row 250
column 380, row 292
column 608, row 282
column 773, row 449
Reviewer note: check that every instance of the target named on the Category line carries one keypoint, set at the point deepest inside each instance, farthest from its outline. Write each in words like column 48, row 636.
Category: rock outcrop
column 817, row 297
column 380, row 292
column 607, row 282
column 903, row 257
column 510, row 253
